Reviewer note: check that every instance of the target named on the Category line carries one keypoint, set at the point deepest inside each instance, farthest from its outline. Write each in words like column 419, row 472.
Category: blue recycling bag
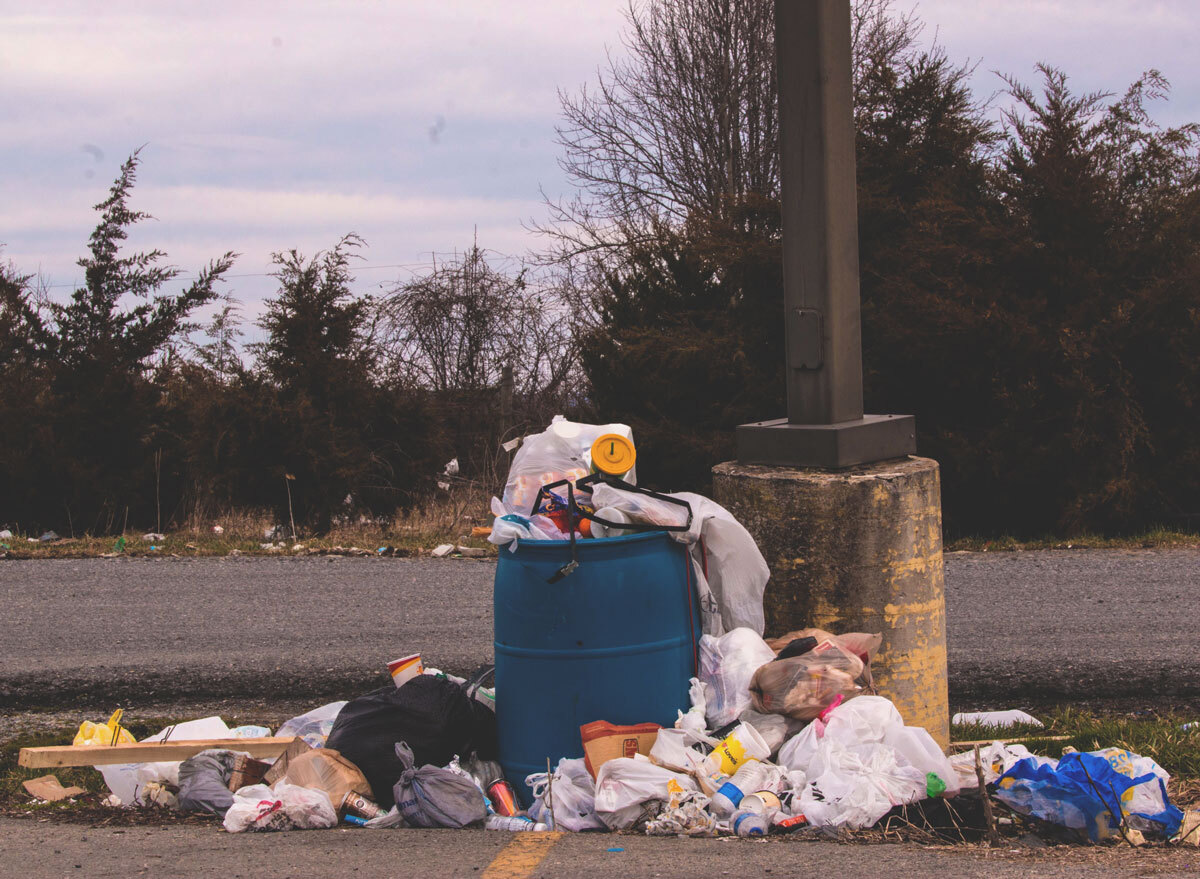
column 1092, row 792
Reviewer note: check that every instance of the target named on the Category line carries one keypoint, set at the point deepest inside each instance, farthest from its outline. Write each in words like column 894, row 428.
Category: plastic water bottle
column 746, row 780
column 514, row 823
column 747, row 823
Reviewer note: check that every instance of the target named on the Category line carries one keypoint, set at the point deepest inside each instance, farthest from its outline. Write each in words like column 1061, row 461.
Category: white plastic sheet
column 727, row 663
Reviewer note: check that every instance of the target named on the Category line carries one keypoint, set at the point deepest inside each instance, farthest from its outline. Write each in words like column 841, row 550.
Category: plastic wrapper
column 727, row 665
column 574, row 797
column 804, row 686
column 772, row 727
column 1094, row 793
column 639, row 508
column 629, row 790
column 317, row 722
column 284, row 807
column 995, row 718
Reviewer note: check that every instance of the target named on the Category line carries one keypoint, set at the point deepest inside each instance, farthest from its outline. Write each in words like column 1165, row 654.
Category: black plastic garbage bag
column 204, row 782
column 434, row 716
column 433, row 797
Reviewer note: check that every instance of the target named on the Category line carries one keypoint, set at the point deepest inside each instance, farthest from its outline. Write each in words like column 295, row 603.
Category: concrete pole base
column 856, row 550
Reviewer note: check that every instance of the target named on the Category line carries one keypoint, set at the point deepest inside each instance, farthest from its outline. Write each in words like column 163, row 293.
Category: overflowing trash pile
column 776, row 735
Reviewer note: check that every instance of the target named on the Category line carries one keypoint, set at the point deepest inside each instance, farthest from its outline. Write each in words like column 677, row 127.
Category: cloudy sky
column 269, row 126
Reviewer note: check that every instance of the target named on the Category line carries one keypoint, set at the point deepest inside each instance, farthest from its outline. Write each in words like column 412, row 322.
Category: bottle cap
column 613, row 454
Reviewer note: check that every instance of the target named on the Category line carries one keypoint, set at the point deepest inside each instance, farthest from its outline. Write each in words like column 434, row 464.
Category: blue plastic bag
column 1093, row 792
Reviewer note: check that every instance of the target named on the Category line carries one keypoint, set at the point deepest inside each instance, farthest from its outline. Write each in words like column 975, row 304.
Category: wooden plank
column 145, row 752
column 985, row 742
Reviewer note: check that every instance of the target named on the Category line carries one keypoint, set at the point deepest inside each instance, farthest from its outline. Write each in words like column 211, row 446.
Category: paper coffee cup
column 405, row 669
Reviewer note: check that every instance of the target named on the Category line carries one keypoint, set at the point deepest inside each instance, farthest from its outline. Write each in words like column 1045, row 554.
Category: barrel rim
column 584, row 544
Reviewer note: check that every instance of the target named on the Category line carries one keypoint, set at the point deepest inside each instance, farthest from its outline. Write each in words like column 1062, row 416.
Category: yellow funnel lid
column 613, row 454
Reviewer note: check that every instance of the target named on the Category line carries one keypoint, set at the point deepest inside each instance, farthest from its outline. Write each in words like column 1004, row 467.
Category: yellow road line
column 521, row 857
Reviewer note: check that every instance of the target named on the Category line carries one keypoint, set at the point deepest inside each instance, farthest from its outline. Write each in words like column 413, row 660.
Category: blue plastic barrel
column 616, row 640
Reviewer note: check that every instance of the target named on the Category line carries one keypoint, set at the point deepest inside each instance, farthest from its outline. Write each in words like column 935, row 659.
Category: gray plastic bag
column 204, row 782
column 433, row 797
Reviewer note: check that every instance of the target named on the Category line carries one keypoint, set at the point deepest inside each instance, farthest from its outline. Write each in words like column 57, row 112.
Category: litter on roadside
column 995, row 718
column 634, row 691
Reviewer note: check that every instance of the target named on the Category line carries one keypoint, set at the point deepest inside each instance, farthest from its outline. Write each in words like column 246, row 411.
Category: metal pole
column 825, row 426
column 820, row 211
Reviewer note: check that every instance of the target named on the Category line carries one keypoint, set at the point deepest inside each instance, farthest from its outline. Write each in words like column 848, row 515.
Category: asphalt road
column 1024, row 628
column 45, row 850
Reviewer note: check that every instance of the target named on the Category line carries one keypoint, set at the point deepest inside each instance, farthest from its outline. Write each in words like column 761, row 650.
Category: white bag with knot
column 628, row 789
column 727, row 665
column 284, row 807
column 574, row 797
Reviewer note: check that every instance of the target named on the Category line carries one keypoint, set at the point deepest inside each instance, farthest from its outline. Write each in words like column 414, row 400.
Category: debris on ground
column 49, row 789
column 780, row 736
column 995, row 718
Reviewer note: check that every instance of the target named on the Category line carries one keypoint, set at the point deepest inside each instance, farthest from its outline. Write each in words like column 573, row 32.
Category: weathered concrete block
column 856, row 550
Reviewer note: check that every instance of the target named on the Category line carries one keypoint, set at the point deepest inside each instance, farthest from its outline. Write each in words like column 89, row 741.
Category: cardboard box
column 604, row 741
column 247, row 771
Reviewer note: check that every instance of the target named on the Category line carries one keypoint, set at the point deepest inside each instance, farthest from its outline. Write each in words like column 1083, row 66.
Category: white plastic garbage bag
column 862, row 720
column 917, row 747
column 855, row 787
column 737, row 573
column 284, row 807
column 673, row 749
column 574, row 797
column 727, row 663
column 561, row 451
column 628, row 789
column 125, row 780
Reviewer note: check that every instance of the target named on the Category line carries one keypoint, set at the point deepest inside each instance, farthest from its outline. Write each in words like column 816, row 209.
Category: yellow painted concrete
column 521, row 857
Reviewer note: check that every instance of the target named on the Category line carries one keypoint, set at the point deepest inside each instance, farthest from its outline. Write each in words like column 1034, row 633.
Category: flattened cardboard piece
column 50, row 789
